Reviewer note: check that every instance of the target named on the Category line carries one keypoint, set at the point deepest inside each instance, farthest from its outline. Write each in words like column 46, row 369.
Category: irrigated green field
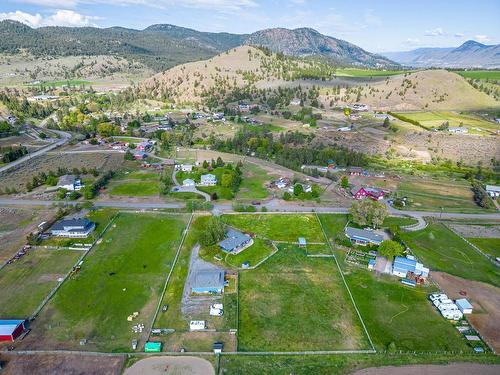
column 442, row 250
column 368, row 72
column 434, row 119
column 25, row 283
column 121, row 275
column 278, row 227
column 488, row 245
column 481, row 74
column 295, row 303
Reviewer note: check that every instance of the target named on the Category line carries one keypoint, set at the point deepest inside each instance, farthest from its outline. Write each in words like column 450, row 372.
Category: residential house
column 72, row 228
column 363, row 237
column 234, row 241
column 405, row 266
column 186, row 167
column 188, row 182
column 363, row 192
column 69, row 182
column 355, row 171
column 359, row 107
column 208, row 282
column 493, row 190
column 140, row 155
column 458, row 130
column 144, row 146
column 282, row 183
column 295, row 101
column 208, row 180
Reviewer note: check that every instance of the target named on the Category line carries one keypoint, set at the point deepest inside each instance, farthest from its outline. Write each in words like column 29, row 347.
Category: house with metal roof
column 10, row 329
column 208, row 282
column 464, row 306
column 208, row 179
column 363, row 237
column 403, row 265
column 493, row 190
column 73, row 228
column 234, row 241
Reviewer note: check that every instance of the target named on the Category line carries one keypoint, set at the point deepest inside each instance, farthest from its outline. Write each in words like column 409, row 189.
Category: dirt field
column 477, row 231
column 18, row 176
column 171, row 366
column 453, row 369
column 67, row 364
column 484, row 298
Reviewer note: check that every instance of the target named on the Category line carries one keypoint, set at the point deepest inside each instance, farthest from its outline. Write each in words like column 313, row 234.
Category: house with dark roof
column 208, row 282
column 234, row 241
column 73, row 228
column 363, row 237
column 363, row 192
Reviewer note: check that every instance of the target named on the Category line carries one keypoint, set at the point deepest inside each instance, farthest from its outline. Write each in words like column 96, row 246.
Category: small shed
column 10, row 329
column 197, row 325
column 464, row 306
column 152, row 347
column 302, row 242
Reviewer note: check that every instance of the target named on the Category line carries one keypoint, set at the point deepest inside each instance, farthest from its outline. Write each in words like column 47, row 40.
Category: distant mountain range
column 468, row 55
column 163, row 46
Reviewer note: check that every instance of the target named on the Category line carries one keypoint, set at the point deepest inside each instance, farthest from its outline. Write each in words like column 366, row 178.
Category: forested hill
column 163, row 46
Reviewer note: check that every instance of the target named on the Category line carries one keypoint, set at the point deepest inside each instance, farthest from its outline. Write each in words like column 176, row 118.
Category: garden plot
column 121, row 275
column 296, row 303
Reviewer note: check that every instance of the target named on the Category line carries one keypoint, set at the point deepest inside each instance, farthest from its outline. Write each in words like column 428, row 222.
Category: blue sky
column 377, row 26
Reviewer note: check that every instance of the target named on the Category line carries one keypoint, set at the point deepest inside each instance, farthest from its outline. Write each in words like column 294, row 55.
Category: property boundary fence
column 373, row 350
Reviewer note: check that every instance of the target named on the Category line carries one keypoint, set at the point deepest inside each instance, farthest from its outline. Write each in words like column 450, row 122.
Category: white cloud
column 61, row 17
column 412, row 42
column 459, row 35
column 482, row 38
column 438, row 31
column 51, row 3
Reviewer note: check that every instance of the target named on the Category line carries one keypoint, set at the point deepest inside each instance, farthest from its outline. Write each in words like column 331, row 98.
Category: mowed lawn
column 490, row 246
column 401, row 318
column 453, row 196
column 442, row 250
column 295, row 303
column 253, row 183
column 135, row 189
column 121, row 275
column 279, row 227
column 25, row 283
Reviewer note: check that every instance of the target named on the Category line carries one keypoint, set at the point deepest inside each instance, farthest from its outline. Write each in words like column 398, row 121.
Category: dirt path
column 171, row 366
column 453, row 369
column 484, row 298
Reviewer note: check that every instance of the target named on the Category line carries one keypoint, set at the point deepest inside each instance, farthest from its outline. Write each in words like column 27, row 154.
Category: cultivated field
column 25, row 283
column 442, row 250
column 121, row 275
column 295, row 303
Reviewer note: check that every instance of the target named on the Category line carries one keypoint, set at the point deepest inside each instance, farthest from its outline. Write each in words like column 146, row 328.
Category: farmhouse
column 208, row 282
column 402, row 267
column 69, row 182
column 464, row 306
column 188, row 182
column 363, row 192
column 493, row 190
column 234, row 241
column 11, row 329
column 186, row 167
column 208, row 180
column 363, row 237
column 73, row 228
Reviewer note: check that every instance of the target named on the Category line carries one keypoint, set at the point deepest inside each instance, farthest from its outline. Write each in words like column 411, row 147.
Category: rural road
column 273, row 206
column 65, row 137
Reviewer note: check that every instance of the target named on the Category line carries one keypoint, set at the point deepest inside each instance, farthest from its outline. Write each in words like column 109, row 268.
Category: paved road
column 116, row 204
column 65, row 137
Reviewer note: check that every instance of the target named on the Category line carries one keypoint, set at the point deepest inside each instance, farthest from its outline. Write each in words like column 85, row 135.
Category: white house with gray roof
column 363, row 237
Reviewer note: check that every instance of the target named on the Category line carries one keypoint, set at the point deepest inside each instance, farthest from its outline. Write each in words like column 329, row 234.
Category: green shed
column 152, row 347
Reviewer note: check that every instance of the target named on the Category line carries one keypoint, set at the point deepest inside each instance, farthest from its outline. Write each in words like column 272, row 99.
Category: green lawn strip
column 100, row 217
column 121, row 275
column 480, row 74
column 173, row 317
column 278, row 227
column 488, row 245
column 334, row 225
column 295, row 303
column 253, row 254
column 398, row 220
column 401, row 317
column 442, row 250
column 222, row 192
column 252, row 186
column 337, row 364
column 138, row 175
column 135, row 189
column 25, row 283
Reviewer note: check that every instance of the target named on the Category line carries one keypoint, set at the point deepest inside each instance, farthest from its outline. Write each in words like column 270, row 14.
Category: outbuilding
column 152, row 347
column 10, row 329
column 188, row 182
column 208, row 282
column 464, row 306
column 302, row 242
column 218, row 346
column 363, row 237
